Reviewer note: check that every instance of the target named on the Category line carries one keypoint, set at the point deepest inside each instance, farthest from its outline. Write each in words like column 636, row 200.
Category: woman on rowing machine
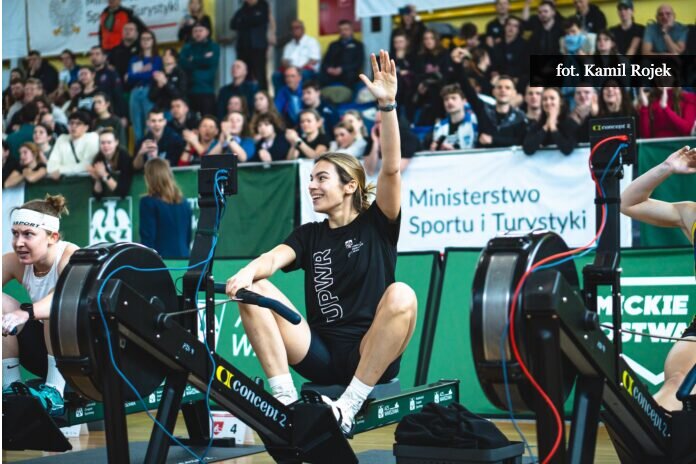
column 359, row 320
column 38, row 259
column 637, row 204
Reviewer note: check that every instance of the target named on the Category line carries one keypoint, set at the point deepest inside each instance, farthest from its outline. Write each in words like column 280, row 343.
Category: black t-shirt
column 11, row 164
column 347, row 270
column 320, row 139
column 623, row 38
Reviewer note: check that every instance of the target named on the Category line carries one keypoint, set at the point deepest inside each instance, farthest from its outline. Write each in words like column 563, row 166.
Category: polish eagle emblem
column 65, row 16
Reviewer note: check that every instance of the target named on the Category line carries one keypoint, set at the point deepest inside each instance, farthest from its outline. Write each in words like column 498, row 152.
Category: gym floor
column 139, row 427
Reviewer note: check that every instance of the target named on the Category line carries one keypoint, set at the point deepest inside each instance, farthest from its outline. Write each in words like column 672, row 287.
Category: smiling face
column 236, row 121
column 31, row 244
column 108, row 145
column 583, row 95
column 532, row 97
column 327, row 190
column 309, row 123
column 504, row 91
column 550, row 100
column 207, row 130
column 261, row 103
column 612, row 95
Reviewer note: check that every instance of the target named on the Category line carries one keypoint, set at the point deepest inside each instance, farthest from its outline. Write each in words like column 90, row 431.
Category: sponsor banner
column 370, row 8
column 74, row 24
column 464, row 200
column 14, row 30
column 11, row 198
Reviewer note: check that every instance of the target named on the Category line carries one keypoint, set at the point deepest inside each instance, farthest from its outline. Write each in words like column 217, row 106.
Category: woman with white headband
column 38, row 259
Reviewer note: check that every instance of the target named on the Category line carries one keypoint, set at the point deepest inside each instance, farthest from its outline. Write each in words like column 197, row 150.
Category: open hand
column 682, row 161
column 383, row 85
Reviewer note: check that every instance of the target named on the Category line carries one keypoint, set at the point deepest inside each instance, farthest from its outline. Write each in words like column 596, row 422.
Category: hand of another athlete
column 12, row 320
column 682, row 161
column 242, row 279
column 383, row 86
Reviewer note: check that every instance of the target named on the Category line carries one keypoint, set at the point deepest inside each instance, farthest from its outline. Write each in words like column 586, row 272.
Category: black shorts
column 32, row 348
column 335, row 363
column 691, row 330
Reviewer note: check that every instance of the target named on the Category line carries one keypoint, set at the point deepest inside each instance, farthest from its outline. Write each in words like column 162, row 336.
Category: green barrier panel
column 662, row 304
column 676, row 188
column 259, row 217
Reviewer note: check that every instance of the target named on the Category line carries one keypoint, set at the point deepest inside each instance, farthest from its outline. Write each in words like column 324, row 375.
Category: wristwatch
column 106, row 177
column 29, row 308
column 298, row 143
column 389, row 107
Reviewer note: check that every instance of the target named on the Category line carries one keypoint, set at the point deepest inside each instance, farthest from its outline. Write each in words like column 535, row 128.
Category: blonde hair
column 356, row 114
column 349, row 168
column 160, row 182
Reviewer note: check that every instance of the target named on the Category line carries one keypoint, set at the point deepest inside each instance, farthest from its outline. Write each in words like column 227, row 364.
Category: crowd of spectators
column 465, row 90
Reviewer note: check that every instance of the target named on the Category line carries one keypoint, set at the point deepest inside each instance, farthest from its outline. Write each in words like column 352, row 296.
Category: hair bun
column 58, row 203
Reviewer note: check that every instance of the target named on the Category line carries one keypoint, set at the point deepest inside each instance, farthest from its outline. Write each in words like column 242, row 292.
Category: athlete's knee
column 9, row 304
column 400, row 299
column 260, row 287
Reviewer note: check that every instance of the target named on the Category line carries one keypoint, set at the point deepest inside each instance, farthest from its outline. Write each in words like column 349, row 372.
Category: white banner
column 14, row 30
column 74, row 24
column 464, row 200
column 370, row 8
column 11, row 198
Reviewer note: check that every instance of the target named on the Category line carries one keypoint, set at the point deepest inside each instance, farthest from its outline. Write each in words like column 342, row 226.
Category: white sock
column 10, row 372
column 282, row 385
column 53, row 377
column 355, row 395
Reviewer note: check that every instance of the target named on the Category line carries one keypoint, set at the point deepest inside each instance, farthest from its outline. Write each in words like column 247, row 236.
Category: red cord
column 518, row 289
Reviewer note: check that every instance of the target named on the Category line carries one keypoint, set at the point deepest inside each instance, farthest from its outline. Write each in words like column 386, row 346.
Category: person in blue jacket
column 165, row 215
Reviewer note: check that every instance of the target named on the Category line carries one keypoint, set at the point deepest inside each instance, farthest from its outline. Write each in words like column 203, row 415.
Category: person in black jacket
column 500, row 125
column 169, row 83
column 554, row 127
column 590, row 16
column 44, row 71
column 121, row 54
column 344, row 58
column 111, row 169
column 511, row 55
column 251, row 23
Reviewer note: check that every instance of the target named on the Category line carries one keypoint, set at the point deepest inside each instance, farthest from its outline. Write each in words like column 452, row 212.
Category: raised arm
column 383, row 87
column 262, row 267
column 636, row 201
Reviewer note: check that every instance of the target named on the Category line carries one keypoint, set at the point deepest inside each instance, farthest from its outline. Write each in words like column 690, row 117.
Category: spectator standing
column 405, row 64
column 271, row 144
column 240, row 85
column 288, row 98
column 431, row 61
column 121, row 54
column 263, row 104
column 112, row 169
column 313, row 142
column 495, row 29
column 199, row 59
column 111, row 22
column 85, row 100
column 344, row 58
column 14, row 100
column 139, row 77
column 589, row 16
column 109, row 82
column 627, row 33
column 251, row 22
column 165, row 215
column 302, row 52
column 546, row 29
column 201, row 142
column 105, row 119
column 311, row 100
column 160, row 141
column 74, row 151
column 195, row 14
column 666, row 36
column 459, row 130
column 510, row 56
column 31, row 166
column 410, row 23
column 554, row 127
column 586, row 107
column 42, row 70
column 666, row 112
column 70, row 68
column 169, row 83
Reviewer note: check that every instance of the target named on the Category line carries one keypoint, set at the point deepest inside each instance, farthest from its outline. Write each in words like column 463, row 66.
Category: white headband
column 31, row 218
